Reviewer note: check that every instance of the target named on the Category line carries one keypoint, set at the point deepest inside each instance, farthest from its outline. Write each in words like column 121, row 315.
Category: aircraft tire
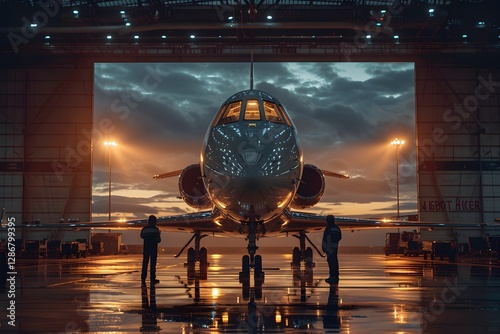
column 258, row 267
column 245, row 265
column 203, row 257
column 296, row 257
column 308, row 254
column 190, row 257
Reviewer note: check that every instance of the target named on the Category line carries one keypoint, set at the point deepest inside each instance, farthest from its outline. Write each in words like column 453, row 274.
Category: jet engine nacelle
column 311, row 188
column 191, row 187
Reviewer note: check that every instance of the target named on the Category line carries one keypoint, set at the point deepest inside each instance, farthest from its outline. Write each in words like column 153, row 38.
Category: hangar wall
column 458, row 143
column 46, row 118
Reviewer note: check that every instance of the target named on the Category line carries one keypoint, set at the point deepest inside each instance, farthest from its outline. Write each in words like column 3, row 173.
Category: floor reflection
column 331, row 319
column 376, row 294
column 149, row 311
column 253, row 313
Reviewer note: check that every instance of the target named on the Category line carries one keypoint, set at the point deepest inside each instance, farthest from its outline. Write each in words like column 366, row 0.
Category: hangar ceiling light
column 181, row 17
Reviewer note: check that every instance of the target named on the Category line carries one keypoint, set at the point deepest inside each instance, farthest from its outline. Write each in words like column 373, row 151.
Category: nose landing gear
column 252, row 261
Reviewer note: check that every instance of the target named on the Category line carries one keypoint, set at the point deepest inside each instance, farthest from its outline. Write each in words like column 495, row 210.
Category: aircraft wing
column 333, row 174
column 190, row 222
column 169, row 174
column 309, row 222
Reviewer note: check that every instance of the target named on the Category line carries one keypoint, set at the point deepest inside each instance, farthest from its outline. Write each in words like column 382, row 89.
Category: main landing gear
column 197, row 258
column 252, row 261
column 302, row 260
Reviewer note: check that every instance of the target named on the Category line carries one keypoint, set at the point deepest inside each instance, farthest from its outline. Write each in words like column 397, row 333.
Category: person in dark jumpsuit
column 151, row 235
column 331, row 237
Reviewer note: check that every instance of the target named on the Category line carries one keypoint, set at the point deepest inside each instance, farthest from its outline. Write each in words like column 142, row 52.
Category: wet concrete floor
column 376, row 294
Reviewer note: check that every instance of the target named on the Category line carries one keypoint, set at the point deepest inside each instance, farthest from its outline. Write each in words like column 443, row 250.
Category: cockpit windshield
column 252, row 112
column 254, row 109
column 232, row 113
column 283, row 113
column 272, row 113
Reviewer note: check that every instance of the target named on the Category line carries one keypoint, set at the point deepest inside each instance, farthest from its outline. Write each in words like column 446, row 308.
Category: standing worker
column 331, row 237
column 151, row 235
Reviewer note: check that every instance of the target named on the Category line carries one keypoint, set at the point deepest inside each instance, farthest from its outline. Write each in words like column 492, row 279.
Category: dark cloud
column 121, row 204
column 380, row 69
column 395, row 82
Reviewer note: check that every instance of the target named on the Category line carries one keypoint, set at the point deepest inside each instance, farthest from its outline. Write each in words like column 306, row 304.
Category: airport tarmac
column 376, row 294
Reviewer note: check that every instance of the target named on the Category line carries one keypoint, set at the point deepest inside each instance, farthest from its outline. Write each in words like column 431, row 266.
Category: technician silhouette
column 151, row 235
column 331, row 237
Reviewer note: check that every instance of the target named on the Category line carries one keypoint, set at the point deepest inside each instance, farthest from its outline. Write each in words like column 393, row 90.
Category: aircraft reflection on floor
column 377, row 294
column 250, row 317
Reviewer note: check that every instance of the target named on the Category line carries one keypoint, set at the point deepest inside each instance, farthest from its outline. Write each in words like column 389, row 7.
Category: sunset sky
column 346, row 115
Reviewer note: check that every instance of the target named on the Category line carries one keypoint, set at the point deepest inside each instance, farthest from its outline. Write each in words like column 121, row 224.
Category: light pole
column 109, row 144
column 396, row 142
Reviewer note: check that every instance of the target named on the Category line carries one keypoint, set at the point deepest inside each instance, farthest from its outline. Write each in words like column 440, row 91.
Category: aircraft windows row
column 272, row 112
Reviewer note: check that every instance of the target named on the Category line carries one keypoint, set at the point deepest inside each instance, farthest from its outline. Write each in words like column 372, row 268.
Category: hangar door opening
column 346, row 115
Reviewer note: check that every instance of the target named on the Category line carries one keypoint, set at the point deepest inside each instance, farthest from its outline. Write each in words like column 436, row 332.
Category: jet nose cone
column 251, row 165
column 242, row 151
column 250, row 157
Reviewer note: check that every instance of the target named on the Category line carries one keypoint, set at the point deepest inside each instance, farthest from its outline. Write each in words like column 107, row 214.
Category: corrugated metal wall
column 45, row 143
column 458, row 142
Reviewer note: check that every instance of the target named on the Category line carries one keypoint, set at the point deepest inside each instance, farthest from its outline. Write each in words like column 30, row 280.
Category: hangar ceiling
column 249, row 21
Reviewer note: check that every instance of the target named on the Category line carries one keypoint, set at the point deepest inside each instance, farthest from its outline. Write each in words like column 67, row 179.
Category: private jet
column 251, row 174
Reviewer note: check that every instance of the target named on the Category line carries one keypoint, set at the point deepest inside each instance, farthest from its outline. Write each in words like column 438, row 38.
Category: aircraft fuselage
column 251, row 157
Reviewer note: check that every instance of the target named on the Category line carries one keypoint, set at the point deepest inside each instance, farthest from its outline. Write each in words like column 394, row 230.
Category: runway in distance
column 250, row 181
